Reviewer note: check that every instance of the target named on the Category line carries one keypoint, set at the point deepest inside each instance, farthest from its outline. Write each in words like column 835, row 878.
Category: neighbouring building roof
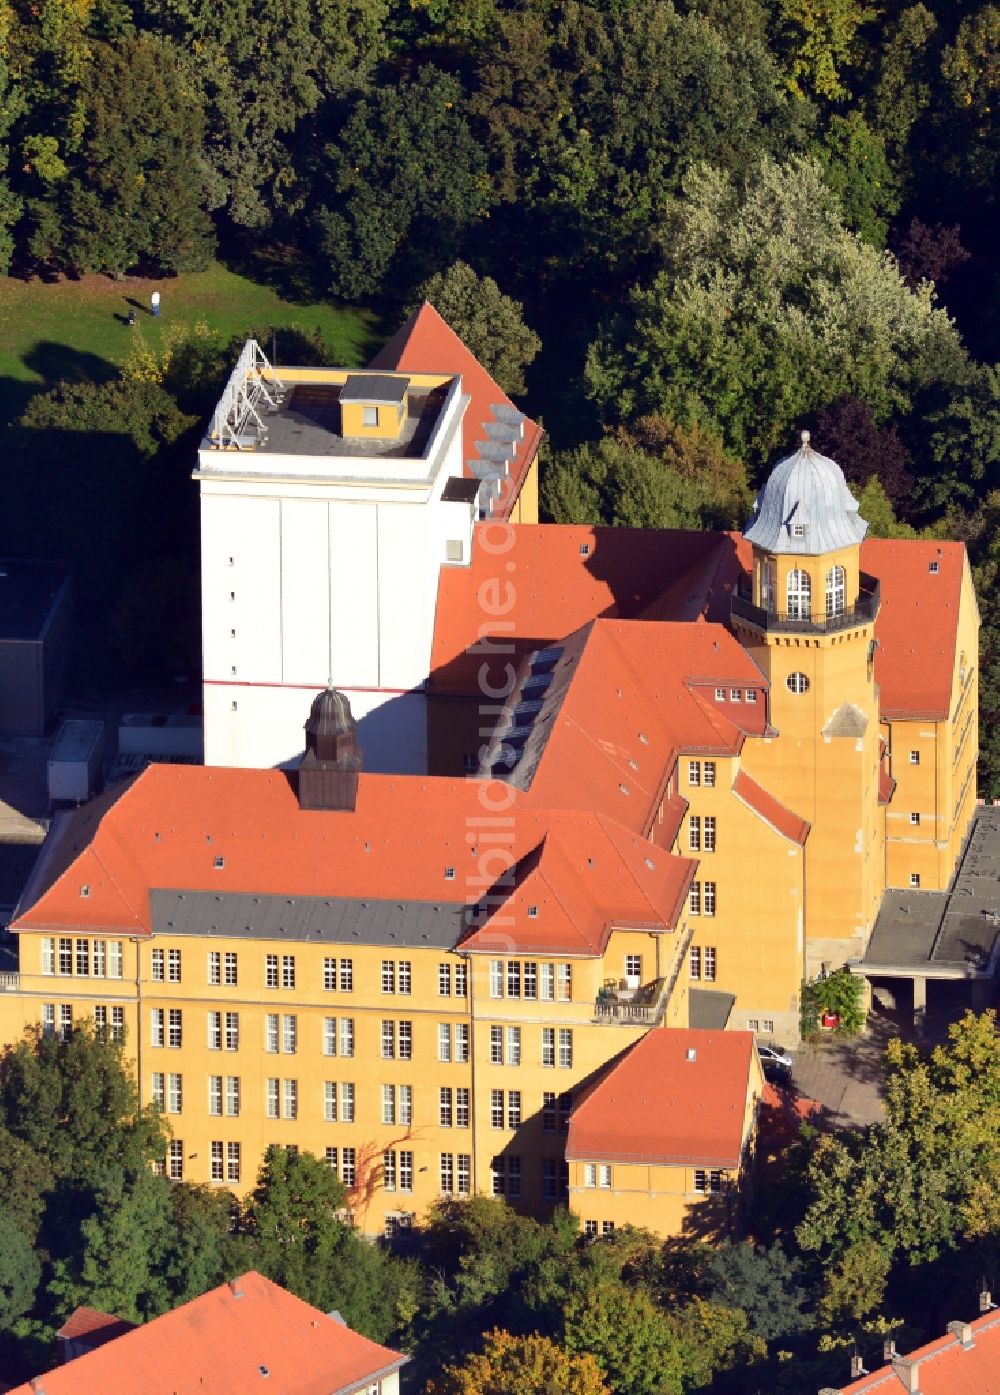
column 805, row 507
column 427, row 344
column 659, row 1104
column 917, row 623
column 710, row 1008
column 231, row 851
column 243, row 1336
column 93, row 1327
column 947, row 1366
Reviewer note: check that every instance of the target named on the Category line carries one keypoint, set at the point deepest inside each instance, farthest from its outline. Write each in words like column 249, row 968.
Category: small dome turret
column 805, row 507
column 328, row 771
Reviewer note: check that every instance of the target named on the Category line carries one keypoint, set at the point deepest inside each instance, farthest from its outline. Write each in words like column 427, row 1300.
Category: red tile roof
column 264, row 1339
column 95, row 1326
column 773, row 812
column 944, row 1366
column 917, row 623
column 427, row 344
column 169, row 826
column 657, row 1105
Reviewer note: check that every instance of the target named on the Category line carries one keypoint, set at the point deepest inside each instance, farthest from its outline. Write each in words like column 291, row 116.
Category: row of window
column 89, row 958
column 701, row 833
column 517, row 978
column 225, row 1161
column 701, row 773
column 703, row 963
column 798, row 588
column 109, row 1019
column 601, row 1176
column 736, row 695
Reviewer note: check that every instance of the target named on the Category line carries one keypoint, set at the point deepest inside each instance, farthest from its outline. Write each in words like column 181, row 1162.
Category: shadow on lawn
column 54, row 363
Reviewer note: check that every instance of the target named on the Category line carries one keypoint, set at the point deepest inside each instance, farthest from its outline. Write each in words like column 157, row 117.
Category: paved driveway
column 845, row 1074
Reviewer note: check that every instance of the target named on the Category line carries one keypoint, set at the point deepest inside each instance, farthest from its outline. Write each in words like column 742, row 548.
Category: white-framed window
column 462, row 1041
column 388, row 976
column 157, row 1027
column 566, row 1048
column 707, row 1181
column 461, row 980
column 915, row 819
column 914, row 757
column 447, row 1174
column 173, row 966
column 694, row 772
column 175, row 1160
column 463, row 1107
column 290, row 1099
column 404, row 976
column 347, row 1036
column 214, row 966
column 750, row 696
column 735, row 694
column 289, row 1033
column 48, row 1019
column 233, row 1162
column 513, row 1046
column 768, row 587
column 513, row 978
column 496, row 978
column 836, row 586
column 694, row 899
column 271, row 1032
column 720, row 694
column 604, row 1176
column 444, row 1041
column 270, row 971
column 914, row 878
column 330, row 975
column 48, row 956
column 175, row 1027
column 496, row 1109
column 271, row 1097
column 753, row 1024
column 330, row 1101
column 369, row 416
column 694, row 833
column 710, row 963
column 175, row 1094
column 446, row 1109
column 230, row 967
column 158, row 1091
column 65, row 956
column 548, row 1046
column 348, row 1166
column 405, row 1170
column 215, row 1094
column 496, row 1046
column 633, row 966
column 232, row 1031
column 590, row 1229
column 694, row 962
column 708, row 834
column 798, row 595
column 329, row 1036
column 607, row 1227
column 708, row 898
column 768, row 1025
column 564, row 982
column 444, row 980
column 388, row 1040
column 233, row 1096
column 215, row 1031
column 288, row 971
column 388, row 1104
column 513, row 1109
column 116, row 958
column 158, row 966
column 530, row 977
column 797, row 683
column 347, row 1098
column 548, row 982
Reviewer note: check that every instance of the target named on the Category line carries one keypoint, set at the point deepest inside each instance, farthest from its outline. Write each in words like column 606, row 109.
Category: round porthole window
column 797, row 683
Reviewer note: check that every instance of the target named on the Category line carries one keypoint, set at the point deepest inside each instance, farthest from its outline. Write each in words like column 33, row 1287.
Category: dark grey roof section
column 710, row 1009
column 383, row 388
column 523, row 728
column 330, row 920
column 946, row 934
column 460, row 491
column 805, row 507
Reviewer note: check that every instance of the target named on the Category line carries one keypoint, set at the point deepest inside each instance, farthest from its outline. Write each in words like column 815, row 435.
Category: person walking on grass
column 154, row 300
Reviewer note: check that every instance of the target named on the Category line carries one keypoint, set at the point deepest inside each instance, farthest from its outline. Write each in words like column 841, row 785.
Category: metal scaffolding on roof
column 236, row 422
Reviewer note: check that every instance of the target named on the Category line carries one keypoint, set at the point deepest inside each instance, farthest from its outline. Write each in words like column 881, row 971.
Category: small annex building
column 246, row 1335
column 668, row 1132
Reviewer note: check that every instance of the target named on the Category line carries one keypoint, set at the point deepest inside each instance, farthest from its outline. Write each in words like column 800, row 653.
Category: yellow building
column 691, row 755
column 668, row 1133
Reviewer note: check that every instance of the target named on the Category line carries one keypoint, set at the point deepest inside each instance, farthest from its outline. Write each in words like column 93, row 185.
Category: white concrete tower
column 329, row 502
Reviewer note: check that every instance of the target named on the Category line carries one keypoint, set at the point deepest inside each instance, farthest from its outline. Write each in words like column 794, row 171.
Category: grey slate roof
column 328, row 919
column 383, row 388
column 805, row 490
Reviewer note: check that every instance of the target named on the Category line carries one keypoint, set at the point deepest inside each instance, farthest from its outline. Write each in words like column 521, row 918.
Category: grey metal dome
column 330, row 715
column 805, row 507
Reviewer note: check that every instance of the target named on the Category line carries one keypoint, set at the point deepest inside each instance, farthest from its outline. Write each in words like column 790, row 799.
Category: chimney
column 963, row 1331
column 888, row 1350
column 858, row 1367
column 328, row 772
column 908, row 1371
column 236, row 1288
column 986, row 1303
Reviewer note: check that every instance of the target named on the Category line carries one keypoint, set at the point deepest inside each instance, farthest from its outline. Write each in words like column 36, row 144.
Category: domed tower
column 328, row 771
column 808, row 617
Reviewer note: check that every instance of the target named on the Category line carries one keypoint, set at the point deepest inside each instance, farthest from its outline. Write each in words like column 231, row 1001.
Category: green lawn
column 78, row 330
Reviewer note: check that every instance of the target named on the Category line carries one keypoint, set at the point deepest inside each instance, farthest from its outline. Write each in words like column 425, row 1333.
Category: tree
column 930, row 253
column 917, row 1185
column 133, row 194
column 404, row 179
column 770, row 310
column 841, row 995
column 714, row 1338
column 20, row 1270
column 859, row 173
column 818, row 37
column 847, row 431
column 511, row 1365
column 613, row 482
column 489, row 323
column 763, row 1283
column 629, row 1337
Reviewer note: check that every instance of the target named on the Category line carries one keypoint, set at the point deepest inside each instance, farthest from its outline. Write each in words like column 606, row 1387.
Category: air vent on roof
column 650, row 864
column 624, row 789
column 644, row 738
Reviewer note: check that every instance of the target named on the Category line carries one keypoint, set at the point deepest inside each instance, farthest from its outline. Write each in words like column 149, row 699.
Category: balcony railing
column 640, row 1007
column 10, row 982
column 863, row 612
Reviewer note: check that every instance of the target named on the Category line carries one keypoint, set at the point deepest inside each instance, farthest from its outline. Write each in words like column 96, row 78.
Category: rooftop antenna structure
column 253, row 383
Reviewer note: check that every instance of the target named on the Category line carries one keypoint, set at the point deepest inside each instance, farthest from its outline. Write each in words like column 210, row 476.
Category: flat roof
column 382, row 389
column 308, row 423
column 330, row 919
column 28, row 590
column 77, row 739
column 954, row 931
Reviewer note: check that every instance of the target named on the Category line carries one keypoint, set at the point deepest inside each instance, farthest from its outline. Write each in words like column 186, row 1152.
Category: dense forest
column 866, row 1233
column 722, row 222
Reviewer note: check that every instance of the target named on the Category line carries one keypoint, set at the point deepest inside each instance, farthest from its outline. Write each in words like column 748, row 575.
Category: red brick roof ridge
column 775, row 814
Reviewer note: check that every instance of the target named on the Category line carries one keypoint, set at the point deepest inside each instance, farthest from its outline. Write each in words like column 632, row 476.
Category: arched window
column 836, row 582
column 798, row 591
column 768, row 587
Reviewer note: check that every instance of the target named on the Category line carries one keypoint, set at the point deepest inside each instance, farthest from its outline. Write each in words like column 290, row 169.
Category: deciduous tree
column 489, row 323
column 511, row 1365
